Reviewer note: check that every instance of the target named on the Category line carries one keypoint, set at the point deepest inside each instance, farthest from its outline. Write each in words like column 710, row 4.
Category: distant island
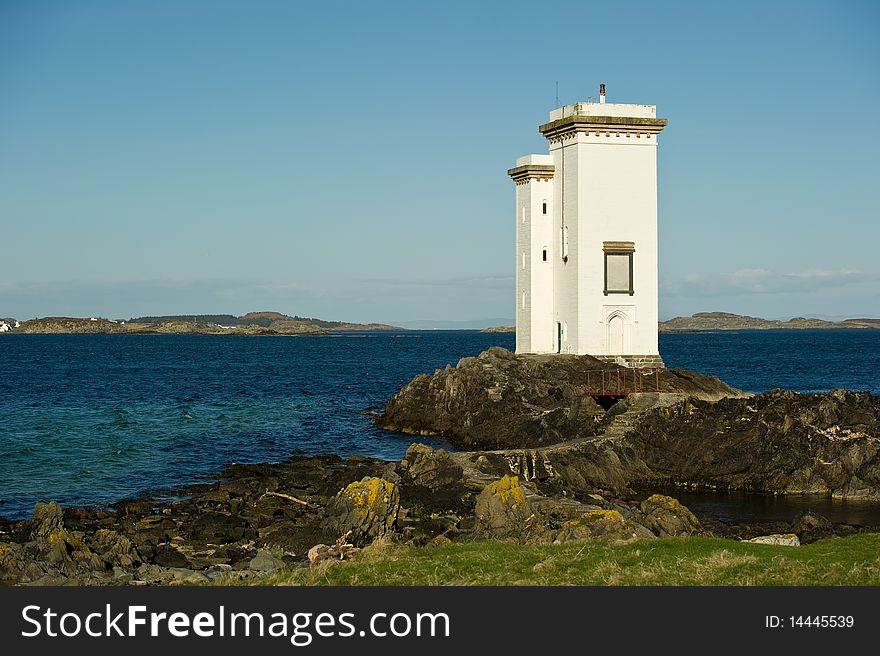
column 252, row 323
column 730, row 321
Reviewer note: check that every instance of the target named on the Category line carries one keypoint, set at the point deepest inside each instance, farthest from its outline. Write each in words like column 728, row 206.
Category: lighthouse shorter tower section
column 533, row 176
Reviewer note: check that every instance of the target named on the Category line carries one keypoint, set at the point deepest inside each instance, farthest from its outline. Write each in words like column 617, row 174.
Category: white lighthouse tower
column 586, row 235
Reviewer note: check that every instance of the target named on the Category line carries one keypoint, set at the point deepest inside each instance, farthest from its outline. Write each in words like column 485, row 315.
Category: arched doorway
column 616, row 335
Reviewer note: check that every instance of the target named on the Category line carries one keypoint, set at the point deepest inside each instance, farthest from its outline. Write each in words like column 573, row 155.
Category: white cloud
column 488, row 282
column 765, row 281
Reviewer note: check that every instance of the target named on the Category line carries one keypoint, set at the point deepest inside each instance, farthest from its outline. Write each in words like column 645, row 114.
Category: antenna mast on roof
column 557, row 94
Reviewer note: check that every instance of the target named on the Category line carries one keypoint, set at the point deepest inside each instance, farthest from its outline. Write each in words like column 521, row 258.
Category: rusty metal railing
column 622, row 381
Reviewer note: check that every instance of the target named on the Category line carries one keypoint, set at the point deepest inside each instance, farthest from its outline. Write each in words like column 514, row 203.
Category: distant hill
column 275, row 320
column 499, row 329
column 253, row 323
column 730, row 321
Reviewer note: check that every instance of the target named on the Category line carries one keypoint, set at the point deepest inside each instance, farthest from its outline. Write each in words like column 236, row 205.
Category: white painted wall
column 604, row 109
column 604, row 188
column 617, row 201
column 534, row 276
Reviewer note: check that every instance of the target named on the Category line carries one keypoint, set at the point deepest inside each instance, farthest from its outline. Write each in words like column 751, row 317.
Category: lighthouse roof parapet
column 607, row 117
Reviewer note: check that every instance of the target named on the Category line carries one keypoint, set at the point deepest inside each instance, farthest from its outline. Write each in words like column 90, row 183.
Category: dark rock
column 48, row 519
column 115, row 549
column 497, row 399
column 809, row 522
column 428, row 468
column 368, row 508
column 667, row 516
column 266, row 562
column 216, row 528
column 503, row 510
column 602, row 524
column 168, row 556
column 773, row 442
column 502, row 400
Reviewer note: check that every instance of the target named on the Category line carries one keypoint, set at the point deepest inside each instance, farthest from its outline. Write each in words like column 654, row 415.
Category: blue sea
column 91, row 419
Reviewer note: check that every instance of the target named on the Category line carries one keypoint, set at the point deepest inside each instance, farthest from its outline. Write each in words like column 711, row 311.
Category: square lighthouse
column 586, row 235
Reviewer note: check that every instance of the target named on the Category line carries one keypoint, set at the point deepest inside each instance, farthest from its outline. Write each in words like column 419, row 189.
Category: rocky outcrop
column 778, row 442
column 502, row 400
column 774, row 442
column 530, row 416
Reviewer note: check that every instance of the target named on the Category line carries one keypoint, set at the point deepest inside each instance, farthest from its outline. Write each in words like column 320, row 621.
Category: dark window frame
column 619, row 253
column 543, row 208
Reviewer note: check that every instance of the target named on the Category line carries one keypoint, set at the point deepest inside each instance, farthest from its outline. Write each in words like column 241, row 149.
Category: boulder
column 428, row 468
column 114, row 549
column 503, row 511
column 809, row 522
column 52, row 543
column 367, row 508
column 264, row 561
column 15, row 566
column 667, row 516
column 781, row 539
column 602, row 524
column 168, row 556
column 217, row 528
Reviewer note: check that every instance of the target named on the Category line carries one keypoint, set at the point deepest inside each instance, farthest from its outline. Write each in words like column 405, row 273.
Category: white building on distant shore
column 586, row 235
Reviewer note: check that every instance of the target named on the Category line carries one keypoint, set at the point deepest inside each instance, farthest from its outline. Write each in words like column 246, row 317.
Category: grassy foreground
column 853, row 560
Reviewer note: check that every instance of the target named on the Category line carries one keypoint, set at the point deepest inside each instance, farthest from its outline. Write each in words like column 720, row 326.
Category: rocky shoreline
column 540, row 462
column 259, row 519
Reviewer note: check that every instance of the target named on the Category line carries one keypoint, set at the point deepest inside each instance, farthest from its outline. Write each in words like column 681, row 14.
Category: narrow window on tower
column 523, row 260
column 618, row 267
column 544, row 207
column 523, row 213
column 523, row 300
column 544, row 254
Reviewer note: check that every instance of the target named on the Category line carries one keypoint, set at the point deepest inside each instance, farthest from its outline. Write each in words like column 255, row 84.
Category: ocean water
column 91, row 419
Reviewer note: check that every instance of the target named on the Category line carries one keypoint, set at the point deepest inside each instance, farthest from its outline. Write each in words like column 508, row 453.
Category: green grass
column 854, row 560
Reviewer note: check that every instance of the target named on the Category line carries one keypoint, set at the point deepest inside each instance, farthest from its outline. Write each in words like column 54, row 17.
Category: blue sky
column 347, row 160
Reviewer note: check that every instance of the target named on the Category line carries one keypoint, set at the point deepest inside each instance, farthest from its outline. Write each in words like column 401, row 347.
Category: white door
column 616, row 329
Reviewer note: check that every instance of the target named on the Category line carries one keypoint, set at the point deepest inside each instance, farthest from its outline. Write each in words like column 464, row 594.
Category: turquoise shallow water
column 91, row 419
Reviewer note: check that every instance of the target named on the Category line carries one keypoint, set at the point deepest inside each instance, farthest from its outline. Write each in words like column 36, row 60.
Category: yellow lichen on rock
column 368, row 508
column 509, row 490
column 503, row 510
column 367, row 492
column 672, row 503
column 667, row 516
column 597, row 516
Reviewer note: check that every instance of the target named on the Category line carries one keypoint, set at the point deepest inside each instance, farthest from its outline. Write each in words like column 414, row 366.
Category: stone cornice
column 522, row 174
column 563, row 127
column 618, row 246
